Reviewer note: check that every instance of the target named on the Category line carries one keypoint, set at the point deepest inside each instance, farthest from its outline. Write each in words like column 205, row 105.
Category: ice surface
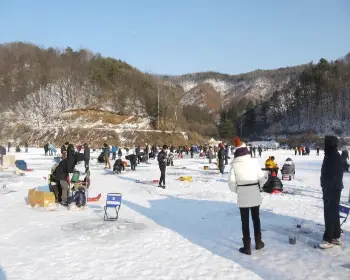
column 191, row 230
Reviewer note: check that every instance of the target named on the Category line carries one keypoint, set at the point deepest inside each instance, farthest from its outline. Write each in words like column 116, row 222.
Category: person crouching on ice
column 118, row 166
column 244, row 180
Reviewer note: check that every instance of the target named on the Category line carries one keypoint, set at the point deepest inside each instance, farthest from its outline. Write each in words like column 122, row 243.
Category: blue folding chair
column 344, row 208
column 114, row 201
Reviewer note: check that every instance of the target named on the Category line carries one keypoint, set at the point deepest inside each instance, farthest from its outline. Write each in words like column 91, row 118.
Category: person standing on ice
column 244, row 180
column 260, row 151
column 332, row 185
column 86, row 156
column 162, row 160
column 106, row 155
column 221, row 158
column 210, row 154
column 62, row 175
column 114, row 152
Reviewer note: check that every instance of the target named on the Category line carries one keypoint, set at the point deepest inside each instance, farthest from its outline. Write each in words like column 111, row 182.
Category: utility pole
column 158, row 105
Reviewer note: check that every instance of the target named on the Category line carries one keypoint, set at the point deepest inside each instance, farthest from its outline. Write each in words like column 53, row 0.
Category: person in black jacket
column 332, row 185
column 86, row 156
column 345, row 156
column 162, row 160
column 192, row 151
column 133, row 161
column 118, row 166
column 46, row 148
column 221, row 158
column 61, row 176
column 137, row 152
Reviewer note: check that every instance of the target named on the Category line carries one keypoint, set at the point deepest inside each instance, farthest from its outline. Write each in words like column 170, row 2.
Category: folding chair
column 344, row 209
column 114, row 200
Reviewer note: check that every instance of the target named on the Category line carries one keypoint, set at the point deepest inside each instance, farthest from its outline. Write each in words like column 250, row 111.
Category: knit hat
column 237, row 141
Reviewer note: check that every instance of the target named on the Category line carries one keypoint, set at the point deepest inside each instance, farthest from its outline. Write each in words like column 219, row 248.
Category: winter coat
column 120, row 153
column 132, row 158
column 114, row 149
column 288, row 167
column 210, row 154
column 345, row 155
column 273, row 183
column 270, row 164
column 2, row 151
column 221, row 156
column 162, row 159
column 118, row 165
column 106, row 152
column 87, row 153
column 332, row 169
column 46, row 147
column 61, row 172
column 245, row 177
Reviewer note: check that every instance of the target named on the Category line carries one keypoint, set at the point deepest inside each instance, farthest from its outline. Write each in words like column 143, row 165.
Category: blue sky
column 183, row 36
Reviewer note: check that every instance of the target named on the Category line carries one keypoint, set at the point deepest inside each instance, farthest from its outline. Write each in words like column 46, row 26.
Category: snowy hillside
column 190, row 230
column 255, row 86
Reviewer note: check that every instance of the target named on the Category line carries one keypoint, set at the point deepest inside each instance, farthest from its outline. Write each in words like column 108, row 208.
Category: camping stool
column 113, row 200
column 344, row 209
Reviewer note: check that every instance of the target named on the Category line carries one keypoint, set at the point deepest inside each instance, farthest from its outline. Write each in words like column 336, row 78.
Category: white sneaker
column 336, row 242
column 325, row 245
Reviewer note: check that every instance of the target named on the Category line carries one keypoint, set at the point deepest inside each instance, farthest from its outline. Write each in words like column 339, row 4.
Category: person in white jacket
column 244, row 180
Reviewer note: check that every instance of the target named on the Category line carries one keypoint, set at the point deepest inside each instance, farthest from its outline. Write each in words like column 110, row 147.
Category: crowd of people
column 245, row 177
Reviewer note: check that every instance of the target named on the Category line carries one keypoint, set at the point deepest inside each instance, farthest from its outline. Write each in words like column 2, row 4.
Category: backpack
column 52, row 176
column 21, row 165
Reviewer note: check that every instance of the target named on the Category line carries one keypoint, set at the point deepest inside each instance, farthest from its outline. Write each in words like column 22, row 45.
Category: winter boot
column 246, row 247
column 259, row 244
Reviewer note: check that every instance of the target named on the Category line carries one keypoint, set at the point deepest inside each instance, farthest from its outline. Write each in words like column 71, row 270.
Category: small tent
column 212, row 142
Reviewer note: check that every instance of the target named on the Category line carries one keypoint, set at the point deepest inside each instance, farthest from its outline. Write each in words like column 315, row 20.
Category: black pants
column 133, row 165
column 114, row 156
column 331, row 218
column 56, row 189
column 162, row 175
column 245, row 221
column 86, row 163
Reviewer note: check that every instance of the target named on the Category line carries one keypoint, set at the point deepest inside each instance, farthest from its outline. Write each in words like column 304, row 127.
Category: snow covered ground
column 191, row 230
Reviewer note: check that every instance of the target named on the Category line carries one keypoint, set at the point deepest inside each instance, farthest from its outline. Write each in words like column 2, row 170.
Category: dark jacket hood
column 330, row 144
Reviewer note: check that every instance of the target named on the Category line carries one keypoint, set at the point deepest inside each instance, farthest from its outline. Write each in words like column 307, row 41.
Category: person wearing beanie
column 332, row 185
column 244, row 180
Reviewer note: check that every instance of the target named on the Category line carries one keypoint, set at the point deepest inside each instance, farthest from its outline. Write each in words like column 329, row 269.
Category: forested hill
column 317, row 101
